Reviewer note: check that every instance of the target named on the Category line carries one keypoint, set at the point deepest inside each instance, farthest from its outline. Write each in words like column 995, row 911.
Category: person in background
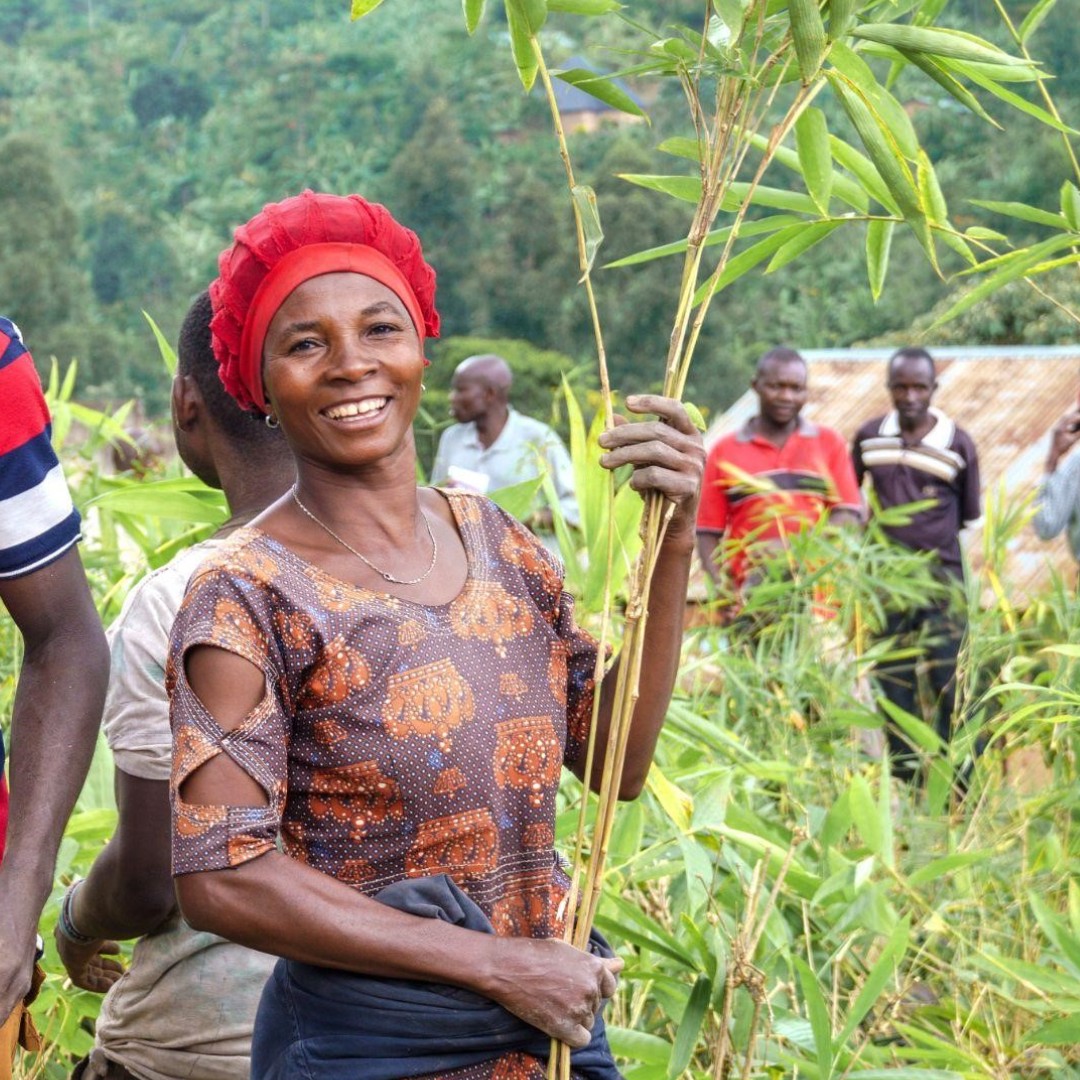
column 493, row 446
column 186, row 1005
column 777, row 475
column 1058, row 499
column 61, row 681
column 913, row 454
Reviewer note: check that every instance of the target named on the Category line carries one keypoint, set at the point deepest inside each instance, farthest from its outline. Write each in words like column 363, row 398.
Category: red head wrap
column 286, row 244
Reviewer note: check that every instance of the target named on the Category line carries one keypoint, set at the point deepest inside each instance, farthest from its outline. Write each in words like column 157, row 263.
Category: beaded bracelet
column 64, row 923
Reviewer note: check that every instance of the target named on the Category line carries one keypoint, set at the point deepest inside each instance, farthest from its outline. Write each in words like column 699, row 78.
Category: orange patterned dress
column 396, row 739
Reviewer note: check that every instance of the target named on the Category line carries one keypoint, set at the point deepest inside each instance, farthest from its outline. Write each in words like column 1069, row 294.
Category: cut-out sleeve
column 232, row 613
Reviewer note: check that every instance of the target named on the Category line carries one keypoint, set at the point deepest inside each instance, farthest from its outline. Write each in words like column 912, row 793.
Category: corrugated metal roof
column 1006, row 398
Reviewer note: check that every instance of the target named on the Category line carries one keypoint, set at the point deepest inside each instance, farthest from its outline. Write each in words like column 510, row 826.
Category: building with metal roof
column 1006, row 397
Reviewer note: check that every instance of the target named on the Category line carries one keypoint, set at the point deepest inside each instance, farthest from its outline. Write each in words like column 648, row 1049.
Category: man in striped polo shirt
column 62, row 679
column 777, row 475
column 914, row 454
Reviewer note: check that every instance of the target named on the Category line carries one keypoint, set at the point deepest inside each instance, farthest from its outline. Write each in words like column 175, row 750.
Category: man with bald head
column 777, row 475
column 494, row 446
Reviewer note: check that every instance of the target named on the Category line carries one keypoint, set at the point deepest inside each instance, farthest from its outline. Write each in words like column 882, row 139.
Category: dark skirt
column 320, row 1024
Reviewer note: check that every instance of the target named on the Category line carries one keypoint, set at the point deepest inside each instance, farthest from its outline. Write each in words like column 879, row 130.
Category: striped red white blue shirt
column 38, row 522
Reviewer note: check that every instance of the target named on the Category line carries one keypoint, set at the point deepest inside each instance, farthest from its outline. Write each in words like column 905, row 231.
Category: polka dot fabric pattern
column 395, row 740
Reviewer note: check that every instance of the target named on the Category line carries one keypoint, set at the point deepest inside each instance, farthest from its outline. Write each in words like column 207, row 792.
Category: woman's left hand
column 668, row 455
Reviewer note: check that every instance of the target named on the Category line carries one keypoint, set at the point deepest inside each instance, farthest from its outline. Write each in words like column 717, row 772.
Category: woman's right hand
column 550, row 985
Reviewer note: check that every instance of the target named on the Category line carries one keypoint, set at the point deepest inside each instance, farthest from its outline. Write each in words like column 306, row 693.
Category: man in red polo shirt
column 773, row 478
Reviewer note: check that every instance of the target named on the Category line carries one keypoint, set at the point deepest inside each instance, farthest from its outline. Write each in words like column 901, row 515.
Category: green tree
column 431, row 184
column 41, row 283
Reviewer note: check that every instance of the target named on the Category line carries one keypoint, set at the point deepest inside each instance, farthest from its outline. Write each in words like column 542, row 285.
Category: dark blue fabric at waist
column 321, row 1024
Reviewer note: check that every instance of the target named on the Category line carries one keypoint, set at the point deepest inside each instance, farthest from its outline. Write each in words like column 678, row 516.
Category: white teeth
column 356, row 408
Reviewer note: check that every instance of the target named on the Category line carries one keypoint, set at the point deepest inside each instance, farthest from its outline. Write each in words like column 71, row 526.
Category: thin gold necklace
column 366, row 561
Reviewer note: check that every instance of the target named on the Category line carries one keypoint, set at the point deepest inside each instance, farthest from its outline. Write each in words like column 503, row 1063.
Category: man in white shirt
column 493, row 446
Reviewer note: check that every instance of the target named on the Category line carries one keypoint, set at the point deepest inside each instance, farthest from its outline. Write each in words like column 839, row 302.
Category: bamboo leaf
column 1056, row 931
column 879, row 235
column 933, row 200
column 818, row 1012
column 1022, row 263
column 1015, row 100
column 949, row 83
column 675, row 802
column 585, row 204
column 732, row 13
column 517, row 499
column 938, row 868
column 694, row 413
column 584, row 7
column 168, row 354
column 864, row 813
column 686, row 188
column 639, row 1045
column 910, row 1072
column 680, row 146
column 774, row 198
column 841, row 14
column 1033, row 19
column 360, row 8
column 813, row 232
column 717, row 236
column 863, row 169
column 690, row 1027
column 1062, row 1032
column 875, row 981
column 151, row 501
column 808, row 34
column 919, row 732
column 937, row 41
column 748, row 259
column 1023, row 212
column 1070, row 205
column 524, row 19
column 841, row 186
column 891, row 116
column 474, row 12
column 602, row 88
column 882, row 149
column 815, row 157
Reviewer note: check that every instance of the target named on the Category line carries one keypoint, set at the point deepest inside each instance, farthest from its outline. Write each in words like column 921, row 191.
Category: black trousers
column 936, row 632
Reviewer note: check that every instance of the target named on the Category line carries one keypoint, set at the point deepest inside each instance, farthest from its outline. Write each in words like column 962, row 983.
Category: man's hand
column 91, row 966
column 1065, row 435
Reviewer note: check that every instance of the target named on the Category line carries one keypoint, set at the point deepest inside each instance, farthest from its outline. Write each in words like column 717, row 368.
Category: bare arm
column 278, row 905
column 706, row 549
column 129, row 890
column 54, row 724
column 668, row 457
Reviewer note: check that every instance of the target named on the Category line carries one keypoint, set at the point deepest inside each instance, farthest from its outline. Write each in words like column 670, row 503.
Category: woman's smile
column 342, row 369
column 369, row 410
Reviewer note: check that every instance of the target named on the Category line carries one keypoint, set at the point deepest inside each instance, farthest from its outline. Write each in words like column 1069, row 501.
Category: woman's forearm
column 278, row 905
column 659, row 667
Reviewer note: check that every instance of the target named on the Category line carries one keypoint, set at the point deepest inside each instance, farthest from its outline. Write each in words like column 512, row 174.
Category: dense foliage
column 785, row 908
column 140, row 133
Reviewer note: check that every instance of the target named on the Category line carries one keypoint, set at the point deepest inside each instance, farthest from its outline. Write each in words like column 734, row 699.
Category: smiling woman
column 375, row 687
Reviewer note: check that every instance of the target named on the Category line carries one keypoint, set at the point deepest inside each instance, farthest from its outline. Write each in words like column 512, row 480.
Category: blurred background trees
column 136, row 135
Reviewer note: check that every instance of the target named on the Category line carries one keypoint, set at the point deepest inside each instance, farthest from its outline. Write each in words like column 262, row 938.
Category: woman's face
column 342, row 366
